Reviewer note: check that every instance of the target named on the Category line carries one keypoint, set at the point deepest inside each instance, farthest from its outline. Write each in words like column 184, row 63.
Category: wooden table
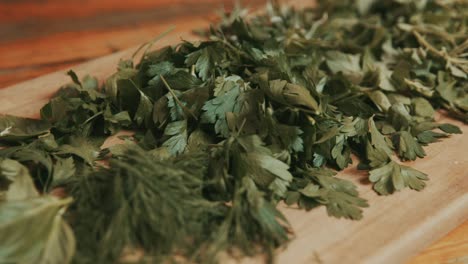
column 38, row 37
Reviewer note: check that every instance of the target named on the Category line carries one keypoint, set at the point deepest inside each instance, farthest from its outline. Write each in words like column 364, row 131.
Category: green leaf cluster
column 266, row 110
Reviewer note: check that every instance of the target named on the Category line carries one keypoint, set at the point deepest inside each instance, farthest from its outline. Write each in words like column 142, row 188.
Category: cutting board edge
column 60, row 78
column 407, row 248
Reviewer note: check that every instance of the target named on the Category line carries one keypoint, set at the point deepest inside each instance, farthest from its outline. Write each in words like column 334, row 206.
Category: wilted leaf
column 205, row 60
column 33, row 231
column 21, row 186
column 257, row 162
column 394, row 177
column 378, row 140
column 64, row 169
column 407, row 146
column 177, row 141
column 449, row 128
column 348, row 64
column 339, row 196
column 82, row 148
column 14, row 128
column 292, row 95
column 422, row 107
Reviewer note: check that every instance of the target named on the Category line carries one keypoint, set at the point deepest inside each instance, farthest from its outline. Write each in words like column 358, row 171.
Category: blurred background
column 42, row 36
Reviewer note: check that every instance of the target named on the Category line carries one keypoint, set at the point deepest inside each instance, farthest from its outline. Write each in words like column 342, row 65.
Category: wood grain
column 39, row 37
column 421, row 219
column 452, row 249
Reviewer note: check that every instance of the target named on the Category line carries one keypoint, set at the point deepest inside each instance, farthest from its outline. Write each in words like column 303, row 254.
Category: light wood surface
column 394, row 228
column 452, row 249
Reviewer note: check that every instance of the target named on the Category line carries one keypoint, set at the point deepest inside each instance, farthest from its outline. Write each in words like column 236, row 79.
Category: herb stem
column 177, row 99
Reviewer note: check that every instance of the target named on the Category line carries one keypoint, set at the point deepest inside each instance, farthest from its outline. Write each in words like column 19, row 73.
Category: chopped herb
column 266, row 110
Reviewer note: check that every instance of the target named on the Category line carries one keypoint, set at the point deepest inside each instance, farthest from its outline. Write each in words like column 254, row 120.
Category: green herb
column 266, row 110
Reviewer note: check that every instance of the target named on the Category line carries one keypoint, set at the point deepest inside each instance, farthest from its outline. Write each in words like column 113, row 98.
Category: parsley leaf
column 177, row 141
column 408, row 147
column 215, row 109
column 320, row 187
column 205, row 60
column 257, row 162
column 17, row 129
column 394, row 177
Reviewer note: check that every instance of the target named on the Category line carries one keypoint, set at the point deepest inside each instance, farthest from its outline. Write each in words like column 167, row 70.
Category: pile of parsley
column 264, row 111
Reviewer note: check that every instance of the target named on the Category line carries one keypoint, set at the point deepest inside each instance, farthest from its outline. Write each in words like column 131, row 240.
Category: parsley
column 213, row 135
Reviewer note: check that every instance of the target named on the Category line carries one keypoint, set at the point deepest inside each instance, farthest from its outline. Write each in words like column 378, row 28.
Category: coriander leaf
column 47, row 142
column 80, row 147
column 145, row 108
column 387, row 178
column 380, row 100
column 257, row 162
column 205, row 60
column 228, row 127
column 378, row 140
column 177, row 78
column 290, row 136
column 50, row 240
column 318, row 186
column 462, row 103
column 311, row 191
column 393, row 177
column 291, row 95
column 364, row 6
column 74, row 77
column 17, row 128
column 115, row 82
column 399, row 116
column 341, row 152
column 449, row 128
column 199, row 140
column 422, row 107
column 407, row 146
column 161, row 111
column 276, row 167
column 119, row 118
column 339, row 196
column 376, row 156
column 177, row 133
column 176, row 110
column 446, row 87
column 21, row 186
column 114, row 122
column 64, row 168
column 158, row 69
column 385, row 76
column 456, row 71
column 216, row 109
column 252, row 224
column 284, row 135
column 330, row 133
column 90, row 86
column 420, row 87
column 347, row 64
column 413, row 178
column 427, row 137
column 34, row 155
column 224, row 84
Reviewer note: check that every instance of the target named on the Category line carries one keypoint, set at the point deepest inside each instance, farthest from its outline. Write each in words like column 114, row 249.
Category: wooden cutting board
column 393, row 228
